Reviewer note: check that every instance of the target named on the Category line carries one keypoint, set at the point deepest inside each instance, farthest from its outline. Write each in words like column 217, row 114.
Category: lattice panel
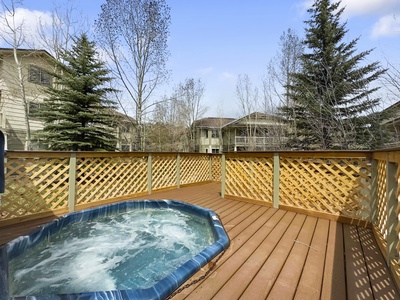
column 34, row 185
column 164, row 171
column 194, row 169
column 250, row 177
column 381, row 224
column 398, row 211
column 338, row 186
column 216, row 166
column 99, row 178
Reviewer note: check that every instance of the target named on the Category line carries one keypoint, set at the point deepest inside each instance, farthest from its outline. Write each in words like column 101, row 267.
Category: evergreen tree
column 76, row 114
column 332, row 100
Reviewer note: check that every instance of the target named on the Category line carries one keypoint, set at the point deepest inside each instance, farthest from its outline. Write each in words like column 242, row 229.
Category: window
column 125, row 148
column 33, row 109
column 39, row 76
column 215, row 150
column 215, row 133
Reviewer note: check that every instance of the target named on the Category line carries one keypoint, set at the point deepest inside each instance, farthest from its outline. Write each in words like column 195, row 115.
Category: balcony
column 305, row 225
column 255, row 142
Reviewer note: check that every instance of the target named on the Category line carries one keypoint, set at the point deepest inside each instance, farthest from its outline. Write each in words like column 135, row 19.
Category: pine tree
column 333, row 103
column 76, row 114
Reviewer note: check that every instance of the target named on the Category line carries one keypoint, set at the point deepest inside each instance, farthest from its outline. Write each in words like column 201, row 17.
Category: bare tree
column 13, row 35
column 275, row 126
column 248, row 100
column 66, row 23
column 280, row 69
column 168, row 127
column 286, row 62
column 133, row 34
column 191, row 108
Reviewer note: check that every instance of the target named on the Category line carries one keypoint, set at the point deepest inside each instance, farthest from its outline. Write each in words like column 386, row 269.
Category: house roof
column 122, row 117
column 32, row 51
column 256, row 118
column 212, row 122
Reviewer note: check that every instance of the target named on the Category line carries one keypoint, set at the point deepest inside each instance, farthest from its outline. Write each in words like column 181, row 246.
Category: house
column 22, row 91
column 254, row 132
column 391, row 122
column 209, row 134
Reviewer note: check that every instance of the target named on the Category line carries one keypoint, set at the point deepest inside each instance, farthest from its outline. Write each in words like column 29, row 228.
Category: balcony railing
column 256, row 141
column 358, row 187
column 45, row 183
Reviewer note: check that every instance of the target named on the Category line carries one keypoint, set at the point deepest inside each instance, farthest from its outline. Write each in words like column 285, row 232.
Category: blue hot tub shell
column 160, row 290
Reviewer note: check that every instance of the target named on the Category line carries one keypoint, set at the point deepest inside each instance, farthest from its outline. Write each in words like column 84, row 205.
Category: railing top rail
column 306, row 154
column 63, row 154
column 390, row 156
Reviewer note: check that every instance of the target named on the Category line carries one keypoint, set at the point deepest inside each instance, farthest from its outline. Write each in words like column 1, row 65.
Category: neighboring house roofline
column 212, row 122
column 249, row 116
column 42, row 51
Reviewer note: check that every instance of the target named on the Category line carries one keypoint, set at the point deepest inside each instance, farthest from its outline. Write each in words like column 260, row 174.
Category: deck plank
column 311, row 280
column 285, row 285
column 257, row 264
column 381, row 281
column 254, row 236
column 334, row 277
column 358, row 283
column 271, row 253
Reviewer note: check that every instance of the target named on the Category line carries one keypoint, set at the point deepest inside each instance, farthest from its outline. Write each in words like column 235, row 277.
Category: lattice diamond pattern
column 339, row 186
column 194, row 169
column 34, row 185
column 250, row 178
column 216, row 168
column 381, row 209
column 101, row 178
column 164, row 171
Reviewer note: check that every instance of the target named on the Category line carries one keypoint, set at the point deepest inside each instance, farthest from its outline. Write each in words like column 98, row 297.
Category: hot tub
column 13, row 253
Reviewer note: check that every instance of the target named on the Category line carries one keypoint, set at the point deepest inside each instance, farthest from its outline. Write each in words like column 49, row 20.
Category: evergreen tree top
column 77, row 113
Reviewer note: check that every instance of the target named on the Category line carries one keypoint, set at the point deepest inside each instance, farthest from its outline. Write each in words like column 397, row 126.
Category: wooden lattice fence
column 45, row 183
column 335, row 184
column 35, row 183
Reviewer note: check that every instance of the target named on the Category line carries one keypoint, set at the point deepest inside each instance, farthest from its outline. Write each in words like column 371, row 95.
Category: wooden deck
column 276, row 254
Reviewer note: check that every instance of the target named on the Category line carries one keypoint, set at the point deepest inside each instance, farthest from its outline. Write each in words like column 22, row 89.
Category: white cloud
column 386, row 12
column 29, row 21
column 367, row 7
column 205, row 71
column 386, row 26
column 229, row 77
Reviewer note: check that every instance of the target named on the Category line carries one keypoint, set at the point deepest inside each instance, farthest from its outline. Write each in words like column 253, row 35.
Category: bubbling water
column 124, row 251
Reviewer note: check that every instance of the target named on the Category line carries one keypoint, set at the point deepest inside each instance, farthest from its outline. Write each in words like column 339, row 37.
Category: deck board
column 334, row 283
column 311, row 280
column 262, row 282
column 277, row 254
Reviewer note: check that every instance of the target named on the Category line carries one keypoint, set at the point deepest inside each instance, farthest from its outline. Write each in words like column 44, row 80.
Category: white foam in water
column 129, row 250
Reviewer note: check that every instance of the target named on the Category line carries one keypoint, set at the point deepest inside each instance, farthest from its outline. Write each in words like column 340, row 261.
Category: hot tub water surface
column 125, row 250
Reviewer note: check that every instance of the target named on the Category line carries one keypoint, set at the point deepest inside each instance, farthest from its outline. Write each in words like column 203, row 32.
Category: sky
column 218, row 40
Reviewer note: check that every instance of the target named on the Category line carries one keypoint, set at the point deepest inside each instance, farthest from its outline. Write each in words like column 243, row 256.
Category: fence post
column 275, row 200
column 223, row 175
column 149, row 174
column 72, row 182
column 374, row 191
column 391, row 206
column 178, row 170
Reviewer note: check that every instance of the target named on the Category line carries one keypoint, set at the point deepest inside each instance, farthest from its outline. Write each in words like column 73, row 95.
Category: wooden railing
column 361, row 188
column 329, row 184
column 358, row 187
column 45, row 183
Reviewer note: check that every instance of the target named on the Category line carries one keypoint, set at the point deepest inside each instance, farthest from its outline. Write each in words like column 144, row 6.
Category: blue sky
column 218, row 40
